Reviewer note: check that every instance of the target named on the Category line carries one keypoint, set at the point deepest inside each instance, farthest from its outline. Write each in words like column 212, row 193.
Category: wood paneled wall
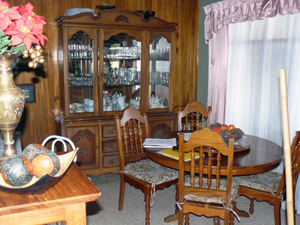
column 37, row 122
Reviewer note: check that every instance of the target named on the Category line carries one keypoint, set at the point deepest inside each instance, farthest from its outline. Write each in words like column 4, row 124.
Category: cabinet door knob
column 97, row 147
column 111, row 131
column 111, row 161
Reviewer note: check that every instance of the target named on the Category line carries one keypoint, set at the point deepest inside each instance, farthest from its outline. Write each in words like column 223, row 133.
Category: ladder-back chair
column 270, row 186
column 193, row 116
column 132, row 129
column 205, row 192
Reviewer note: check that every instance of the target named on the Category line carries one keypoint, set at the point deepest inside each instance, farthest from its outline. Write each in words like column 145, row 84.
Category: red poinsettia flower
column 4, row 5
column 7, row 15
column 22, row 31
column 21, row 25
column 27, row 11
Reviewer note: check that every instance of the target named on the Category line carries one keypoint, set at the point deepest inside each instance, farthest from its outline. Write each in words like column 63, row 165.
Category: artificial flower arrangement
column 20, row 29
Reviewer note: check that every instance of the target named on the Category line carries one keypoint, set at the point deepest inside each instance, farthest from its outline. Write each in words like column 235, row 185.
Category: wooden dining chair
column 205, row 192
column 193, row 116
column 132, row 129
column 270, row 186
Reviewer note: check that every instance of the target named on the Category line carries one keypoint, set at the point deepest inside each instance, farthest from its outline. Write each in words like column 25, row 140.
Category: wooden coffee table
column 65, row 201
column 263, row 155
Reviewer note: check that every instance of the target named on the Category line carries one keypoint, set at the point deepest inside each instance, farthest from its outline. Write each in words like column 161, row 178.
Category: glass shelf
column 159, row 73
column 81, row 73
column 122, row 73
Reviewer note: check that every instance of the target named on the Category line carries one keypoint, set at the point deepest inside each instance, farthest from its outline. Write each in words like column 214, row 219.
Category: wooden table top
column 74, row 187
column 263, row 155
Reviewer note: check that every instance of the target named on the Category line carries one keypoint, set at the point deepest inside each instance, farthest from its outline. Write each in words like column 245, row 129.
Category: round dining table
column 259, row 155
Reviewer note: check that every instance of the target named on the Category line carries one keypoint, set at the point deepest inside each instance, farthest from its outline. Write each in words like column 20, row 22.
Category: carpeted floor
column 104, row 211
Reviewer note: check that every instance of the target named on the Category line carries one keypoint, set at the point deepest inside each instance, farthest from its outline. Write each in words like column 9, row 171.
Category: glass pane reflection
column 159, row 74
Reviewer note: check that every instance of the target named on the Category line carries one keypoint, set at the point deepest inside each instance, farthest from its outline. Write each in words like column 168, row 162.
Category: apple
column 223, row 126
column 217, row 129
column 230, row 127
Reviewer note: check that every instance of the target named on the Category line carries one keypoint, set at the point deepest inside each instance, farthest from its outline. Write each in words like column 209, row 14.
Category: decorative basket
column 40, row 185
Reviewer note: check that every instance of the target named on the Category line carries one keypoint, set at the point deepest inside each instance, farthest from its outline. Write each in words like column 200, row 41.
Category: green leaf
column 18, row 48
column 1, row 33
column 3, row 49
column 4, row 41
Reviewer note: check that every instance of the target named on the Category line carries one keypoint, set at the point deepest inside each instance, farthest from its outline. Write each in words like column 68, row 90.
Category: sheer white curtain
column 256, row 52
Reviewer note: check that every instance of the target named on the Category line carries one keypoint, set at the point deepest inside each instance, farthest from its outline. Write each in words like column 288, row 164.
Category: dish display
column 105, row 6
column 147, row 13
column 38, row 185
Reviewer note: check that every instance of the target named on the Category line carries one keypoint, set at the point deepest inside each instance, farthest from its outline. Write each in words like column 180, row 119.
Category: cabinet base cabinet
column 97, row 142
column 86, row 138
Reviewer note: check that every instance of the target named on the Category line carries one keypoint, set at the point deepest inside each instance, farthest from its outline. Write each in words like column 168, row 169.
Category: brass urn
column 12, row 100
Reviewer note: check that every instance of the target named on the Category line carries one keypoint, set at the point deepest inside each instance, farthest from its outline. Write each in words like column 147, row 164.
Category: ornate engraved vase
column 12, row 100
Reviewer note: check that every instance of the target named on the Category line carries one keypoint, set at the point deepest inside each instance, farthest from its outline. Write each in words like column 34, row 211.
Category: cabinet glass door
column 122, row 72
column 159, row 74
column 81, row 73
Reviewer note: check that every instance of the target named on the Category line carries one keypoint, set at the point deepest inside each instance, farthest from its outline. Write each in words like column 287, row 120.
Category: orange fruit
column 223, row 126
column 230, row 127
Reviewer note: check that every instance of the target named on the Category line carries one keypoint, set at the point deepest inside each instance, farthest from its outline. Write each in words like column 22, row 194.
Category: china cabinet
column 107, row 62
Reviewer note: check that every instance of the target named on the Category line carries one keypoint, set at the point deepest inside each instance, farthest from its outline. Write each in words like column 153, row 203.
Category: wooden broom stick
column 287, row 149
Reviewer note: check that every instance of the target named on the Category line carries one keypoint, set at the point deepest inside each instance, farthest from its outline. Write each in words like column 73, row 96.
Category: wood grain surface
column 37, row 122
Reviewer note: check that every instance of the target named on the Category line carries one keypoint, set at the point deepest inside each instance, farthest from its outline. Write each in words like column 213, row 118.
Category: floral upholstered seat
column 150, row 172
column 223, row 182
column 268, row 181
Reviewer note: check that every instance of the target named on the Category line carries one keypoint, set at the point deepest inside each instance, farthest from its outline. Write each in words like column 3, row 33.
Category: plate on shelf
column 79, row 111
column 105, row 6
column 147, row 13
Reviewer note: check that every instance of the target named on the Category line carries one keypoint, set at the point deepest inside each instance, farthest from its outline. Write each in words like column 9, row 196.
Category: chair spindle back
column 193, row 117
column 132, row 129
column 206, row 143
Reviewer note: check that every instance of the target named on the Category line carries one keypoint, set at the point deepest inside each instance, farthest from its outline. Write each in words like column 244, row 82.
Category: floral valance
column 222, row 13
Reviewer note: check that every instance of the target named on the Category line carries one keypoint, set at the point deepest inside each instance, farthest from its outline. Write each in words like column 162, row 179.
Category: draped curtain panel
column 217, row 69
column 218, row 16
column 257, row 51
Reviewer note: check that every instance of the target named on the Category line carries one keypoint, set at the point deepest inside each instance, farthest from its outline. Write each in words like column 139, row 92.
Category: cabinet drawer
column 109, row 146
column 108, row 131
column 110, row 161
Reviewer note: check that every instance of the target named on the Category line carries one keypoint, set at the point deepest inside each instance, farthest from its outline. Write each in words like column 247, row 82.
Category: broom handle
column 287, row 148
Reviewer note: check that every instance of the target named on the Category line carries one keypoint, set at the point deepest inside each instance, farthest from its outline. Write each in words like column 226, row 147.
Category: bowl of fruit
column 230, row 131
column 35, row 171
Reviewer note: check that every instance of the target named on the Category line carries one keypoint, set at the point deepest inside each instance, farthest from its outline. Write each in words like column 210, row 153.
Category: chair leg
column 217, row 220
column 232, row 215
column 187, row 219
column 122, row 192
column 251, row 210
column 180, row 217
column 177, row 199
column 227, row 217
column 147, row 207
column 277, row 213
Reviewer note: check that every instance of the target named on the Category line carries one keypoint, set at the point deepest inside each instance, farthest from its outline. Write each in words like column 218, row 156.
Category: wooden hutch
column 106, row 62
